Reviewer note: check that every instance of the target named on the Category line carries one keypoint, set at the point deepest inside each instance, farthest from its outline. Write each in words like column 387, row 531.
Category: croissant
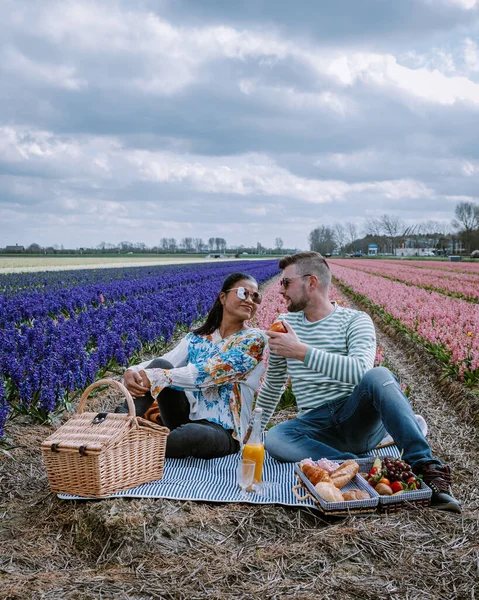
column 315, row 474
column 345, row 473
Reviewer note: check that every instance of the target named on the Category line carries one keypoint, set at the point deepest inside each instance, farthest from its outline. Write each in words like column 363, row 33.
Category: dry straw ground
column 141, row 549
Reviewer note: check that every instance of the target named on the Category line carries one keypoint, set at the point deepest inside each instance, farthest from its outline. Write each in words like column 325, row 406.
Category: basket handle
column 295, row 489
column 112, row 382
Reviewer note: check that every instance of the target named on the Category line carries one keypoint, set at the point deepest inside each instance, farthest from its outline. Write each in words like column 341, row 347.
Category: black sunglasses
column 244, row 294
column 287, row 280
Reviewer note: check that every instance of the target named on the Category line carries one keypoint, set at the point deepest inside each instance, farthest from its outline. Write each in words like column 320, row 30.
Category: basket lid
column 90, row 433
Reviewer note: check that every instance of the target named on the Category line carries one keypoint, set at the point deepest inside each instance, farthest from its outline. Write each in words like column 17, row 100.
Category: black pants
column 201, row 439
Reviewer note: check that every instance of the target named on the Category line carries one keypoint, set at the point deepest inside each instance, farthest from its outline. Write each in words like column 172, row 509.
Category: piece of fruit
column 385, row 480
column 413, row 484
column 383, row 490
column 279, row 327
column 397, row 486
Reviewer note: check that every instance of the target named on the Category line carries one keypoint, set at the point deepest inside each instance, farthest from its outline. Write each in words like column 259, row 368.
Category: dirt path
column 142, row 549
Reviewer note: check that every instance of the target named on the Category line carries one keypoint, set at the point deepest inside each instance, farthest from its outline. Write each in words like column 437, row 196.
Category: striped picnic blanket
column 214, row 480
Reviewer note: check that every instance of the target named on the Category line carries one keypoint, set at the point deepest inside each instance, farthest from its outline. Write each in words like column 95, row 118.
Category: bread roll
column 356, row 495
column 345, row 473
column 315, row 474
column 328, row 492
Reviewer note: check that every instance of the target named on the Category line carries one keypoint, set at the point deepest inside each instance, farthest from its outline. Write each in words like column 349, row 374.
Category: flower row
column 44, row 359
column 449, row 327
column 465, row 285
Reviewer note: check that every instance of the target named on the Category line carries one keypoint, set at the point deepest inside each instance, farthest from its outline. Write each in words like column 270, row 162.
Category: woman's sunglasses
column 244, row 294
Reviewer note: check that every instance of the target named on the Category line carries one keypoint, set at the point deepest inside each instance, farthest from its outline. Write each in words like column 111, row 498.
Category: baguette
column 328, row 492
column 345, row 473
column 315, row 474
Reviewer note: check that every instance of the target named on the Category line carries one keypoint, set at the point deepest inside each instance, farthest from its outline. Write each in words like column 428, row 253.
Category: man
column 346, row 406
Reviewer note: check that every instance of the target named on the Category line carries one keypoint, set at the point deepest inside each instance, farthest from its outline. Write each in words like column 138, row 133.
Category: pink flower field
column 449, row 327
column 455, row 267
column 443, row 280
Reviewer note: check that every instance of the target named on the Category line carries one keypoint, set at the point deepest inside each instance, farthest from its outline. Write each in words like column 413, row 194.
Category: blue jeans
column 352, row 426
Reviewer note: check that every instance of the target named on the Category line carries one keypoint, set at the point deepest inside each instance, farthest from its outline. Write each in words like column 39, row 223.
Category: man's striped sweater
column 342, row 347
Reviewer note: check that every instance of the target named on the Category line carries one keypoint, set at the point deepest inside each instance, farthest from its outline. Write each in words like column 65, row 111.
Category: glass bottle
column 254, row 448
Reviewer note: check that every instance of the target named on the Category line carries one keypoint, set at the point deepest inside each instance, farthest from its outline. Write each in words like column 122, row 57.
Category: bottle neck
column 256, row 437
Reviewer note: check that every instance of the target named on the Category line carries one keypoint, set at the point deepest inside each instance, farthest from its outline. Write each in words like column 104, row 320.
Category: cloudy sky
column 141, row 119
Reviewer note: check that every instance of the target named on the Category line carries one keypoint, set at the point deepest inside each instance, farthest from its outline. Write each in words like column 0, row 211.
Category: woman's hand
column 137, row 383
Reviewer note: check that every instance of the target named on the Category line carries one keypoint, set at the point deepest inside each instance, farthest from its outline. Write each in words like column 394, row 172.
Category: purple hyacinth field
column 59, row 331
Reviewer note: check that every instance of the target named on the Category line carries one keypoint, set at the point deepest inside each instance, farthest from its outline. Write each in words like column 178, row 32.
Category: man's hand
column 137, row 384
column 288, row 344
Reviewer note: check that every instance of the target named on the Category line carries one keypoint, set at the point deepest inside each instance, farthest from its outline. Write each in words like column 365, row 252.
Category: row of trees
column 165, row 245
column 390, row 232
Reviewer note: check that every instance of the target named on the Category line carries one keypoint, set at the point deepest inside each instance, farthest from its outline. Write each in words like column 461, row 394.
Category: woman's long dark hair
column 215, row 316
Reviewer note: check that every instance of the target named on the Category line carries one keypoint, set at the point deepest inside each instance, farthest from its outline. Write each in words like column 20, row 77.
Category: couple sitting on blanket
column 205, row 387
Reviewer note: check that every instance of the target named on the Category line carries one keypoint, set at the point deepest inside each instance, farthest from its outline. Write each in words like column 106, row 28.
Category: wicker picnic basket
column 94, row 454
column 336, row 509
column 412, row 500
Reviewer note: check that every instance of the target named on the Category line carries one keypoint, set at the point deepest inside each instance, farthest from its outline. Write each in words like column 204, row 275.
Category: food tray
column 350, row 507
column 392, row 504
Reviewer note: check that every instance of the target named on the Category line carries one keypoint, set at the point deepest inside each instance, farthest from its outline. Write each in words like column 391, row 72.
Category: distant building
column 14, row 249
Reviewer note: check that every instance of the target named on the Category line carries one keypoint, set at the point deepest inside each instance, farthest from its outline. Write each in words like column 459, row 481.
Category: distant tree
column 373, row 227
column 260, row 249
column 164, row 243
column 466, row 216
column 220, row 244
column 321, row 240
column 211, row 243
column 392, row 226
column 34, row 249
column 198, row 244
column 172, row 244
column 351, row 231
column 278, row 243
column 187, row 243
column 340, row 236
column 466, row 222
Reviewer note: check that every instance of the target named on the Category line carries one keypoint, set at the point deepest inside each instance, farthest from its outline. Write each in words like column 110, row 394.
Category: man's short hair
column 312, row 263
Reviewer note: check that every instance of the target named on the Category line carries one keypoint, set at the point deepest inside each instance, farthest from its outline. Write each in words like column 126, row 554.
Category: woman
column 205, row 386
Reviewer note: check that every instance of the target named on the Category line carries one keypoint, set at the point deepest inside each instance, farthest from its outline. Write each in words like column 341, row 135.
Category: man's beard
column 299, row 305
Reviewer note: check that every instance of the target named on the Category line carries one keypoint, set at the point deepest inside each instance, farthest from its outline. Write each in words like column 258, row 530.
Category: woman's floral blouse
column 219, row 376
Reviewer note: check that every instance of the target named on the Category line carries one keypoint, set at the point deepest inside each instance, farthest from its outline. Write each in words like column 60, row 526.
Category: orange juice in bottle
column 254, row 448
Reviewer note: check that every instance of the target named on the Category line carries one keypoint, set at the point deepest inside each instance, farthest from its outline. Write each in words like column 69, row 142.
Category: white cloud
column 471, row 54
column 111, row 110
column 244, row 175
column 464, row 4
column 294, row 99
column 384, row 71
column 170, row 58
column 15, row 64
